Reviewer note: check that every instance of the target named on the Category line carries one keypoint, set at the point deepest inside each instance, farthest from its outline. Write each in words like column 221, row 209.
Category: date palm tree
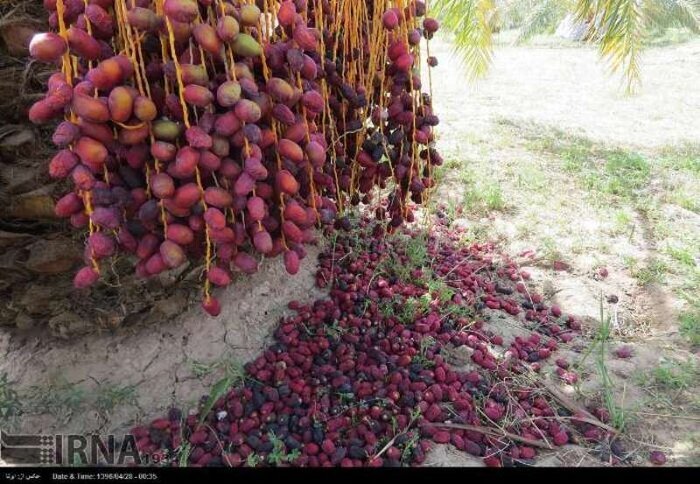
column 618, row 27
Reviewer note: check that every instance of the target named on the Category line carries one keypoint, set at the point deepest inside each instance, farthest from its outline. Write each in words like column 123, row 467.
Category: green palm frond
column 471, row 23
column 619, row 28
column 542, row 15
column 512, row 13
column 674, row 13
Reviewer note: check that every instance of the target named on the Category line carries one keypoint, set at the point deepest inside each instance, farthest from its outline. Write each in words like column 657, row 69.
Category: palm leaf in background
column 663, row 14
column 470, row 21
column 618, row 27
column 540, row 16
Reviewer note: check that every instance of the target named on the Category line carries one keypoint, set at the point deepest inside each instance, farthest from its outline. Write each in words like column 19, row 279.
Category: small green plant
column 685, row 198
column 551, row 250
column 414, row 307
column 421, row 358
column 451, row 212
column 685, row 157
column 476, row 232
column 201, row 369
column 387, row 308
column 253, row 460
column 183, row 454
column 417, row 251
column 673, row 375
column 682, row 255
column 456, row 311
column 407, row 312
column 689, row 323
column 615, row 172
column 59, row 397
column 624, row 173
column 531, row 178
column 278, row 455
column 653, row 273
column 576, row 156
column 440, row 289
column 623, row 223
column 484, row 197
column 346, row 398
column 234, row 374
column 335, row 331
column 410, row 444
column 110, row 396
column 618, row 415
column 452, row 164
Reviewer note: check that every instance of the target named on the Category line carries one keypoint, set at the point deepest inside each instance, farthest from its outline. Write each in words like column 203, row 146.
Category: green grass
column 652, row 272
column 451, row 210
column 279, row 455
column 683, row 255
column 200, row 369
column 689, row 290
column 439, row 289
column 685, row 198
column 183, row 454
column 416, row 249
column 689, row 325
column 475, row 232
column 623, row 174
column 671, row 375
column 669, row 36
column 575, row 151
column 407, row 311
column 253, row 460
column 623, row 219
column 437, row 292
column 62, row 399
column 58, row 397
column 551, row 249
column 622, row 222
column 684, row 157
column 109, row 396
column 480, row 195
column 421, row 358
column 485, row 197
column 576, row 155
column 619, row 417
column 530, row 177
column 452, row 164
column 681, row 168
column 614, row 172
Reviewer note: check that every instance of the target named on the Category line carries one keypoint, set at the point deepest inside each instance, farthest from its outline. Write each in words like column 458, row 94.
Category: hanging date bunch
column 225, row 131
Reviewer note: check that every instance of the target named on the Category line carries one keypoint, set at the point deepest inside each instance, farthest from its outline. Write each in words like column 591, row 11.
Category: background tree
column 618, row 27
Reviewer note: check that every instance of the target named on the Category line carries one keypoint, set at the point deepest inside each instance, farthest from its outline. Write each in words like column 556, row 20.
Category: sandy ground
column 493, row 131
column 571, row 89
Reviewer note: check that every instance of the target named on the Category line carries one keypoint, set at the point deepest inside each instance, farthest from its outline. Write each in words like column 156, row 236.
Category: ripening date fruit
column 206, row 131
column 398, row 368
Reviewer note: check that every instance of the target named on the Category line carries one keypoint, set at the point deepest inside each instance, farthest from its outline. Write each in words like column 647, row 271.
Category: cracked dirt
column 105, row 382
